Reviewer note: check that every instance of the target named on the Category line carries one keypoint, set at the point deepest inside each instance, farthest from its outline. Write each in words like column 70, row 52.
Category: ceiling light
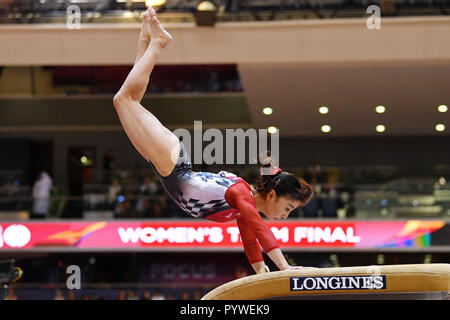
column 272, row 129
column 440, row 127
column 267, row 111
column 323, row 110
column 380, row 109
column 442, row 108
column 380, row 128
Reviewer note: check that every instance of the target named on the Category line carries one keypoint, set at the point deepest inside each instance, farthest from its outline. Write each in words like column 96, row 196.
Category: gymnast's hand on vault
column 300, row 268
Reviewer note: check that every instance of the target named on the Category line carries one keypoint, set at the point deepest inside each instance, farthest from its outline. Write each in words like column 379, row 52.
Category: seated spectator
column 331, row 189
column 148, row 188
column 146, row 210
column 147, row 295
column 317, row 189
column 72, row 295
column 314, row 171
column 122, row 172
column 185, row 296
column 10, row 189
column 311, row 210
column 59, row 295
column 158, row 210
column 132, row 295
column 197, row 295
column 170, row 297
column 11, row 295
column 123, row 210
column 113, row 192
column 129, row 191
column 330, row 199
column 158, row 296
column 122, row 295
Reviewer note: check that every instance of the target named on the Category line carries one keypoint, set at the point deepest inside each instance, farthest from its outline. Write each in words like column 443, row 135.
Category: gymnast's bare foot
column 145, row 27
column 157, row 32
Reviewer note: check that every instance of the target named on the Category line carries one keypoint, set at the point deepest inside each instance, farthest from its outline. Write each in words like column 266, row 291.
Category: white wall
column 423, row 39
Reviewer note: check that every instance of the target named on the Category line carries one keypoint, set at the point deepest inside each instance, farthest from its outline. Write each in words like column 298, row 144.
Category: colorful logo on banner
column 200, row 234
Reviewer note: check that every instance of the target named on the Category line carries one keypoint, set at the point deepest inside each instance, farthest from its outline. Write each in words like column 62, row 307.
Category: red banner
column 178, row 234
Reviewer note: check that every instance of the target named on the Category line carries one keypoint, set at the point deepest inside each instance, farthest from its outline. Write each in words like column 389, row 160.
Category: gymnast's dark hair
column 285, row 184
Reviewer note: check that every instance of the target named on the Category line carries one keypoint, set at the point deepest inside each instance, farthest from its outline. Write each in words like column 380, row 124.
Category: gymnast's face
column 277, row 208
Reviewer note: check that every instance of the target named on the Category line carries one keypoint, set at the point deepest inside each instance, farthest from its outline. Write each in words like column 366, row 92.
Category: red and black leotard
column 219, row 197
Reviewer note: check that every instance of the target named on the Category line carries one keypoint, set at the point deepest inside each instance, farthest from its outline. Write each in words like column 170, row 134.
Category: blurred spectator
column 311, row 210
column 240, row 272
column 128, row 188
column 129, row 192
column 157, row 210
column 10, row 189
column 114, row 190
column 148, row 188
column 315, row 171
column 123, row 210
column 146, row 210
column 170, row 297
column 122, row 295
column 138, row 171
column 132, row 295
column 197, row 295
column 95, row 297
column 185, row 295
column 59, row 295
column 85, row 297
column 317, row 189
column 158, row 296
column 147, row 295
column 11, row 295
column 41, row 195
column 122, row 172
column 330, row 189
column 71, row 295
column 330, row 199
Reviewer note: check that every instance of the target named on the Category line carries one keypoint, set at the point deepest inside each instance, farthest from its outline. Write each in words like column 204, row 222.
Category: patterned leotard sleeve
column 251, row 226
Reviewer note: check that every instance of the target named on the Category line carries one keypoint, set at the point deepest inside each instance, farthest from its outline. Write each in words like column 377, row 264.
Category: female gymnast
column 217, row 197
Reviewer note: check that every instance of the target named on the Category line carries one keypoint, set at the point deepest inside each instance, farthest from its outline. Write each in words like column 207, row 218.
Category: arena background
column 381, row 197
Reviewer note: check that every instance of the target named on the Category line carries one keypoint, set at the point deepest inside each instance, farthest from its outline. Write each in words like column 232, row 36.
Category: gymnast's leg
column 153, row 141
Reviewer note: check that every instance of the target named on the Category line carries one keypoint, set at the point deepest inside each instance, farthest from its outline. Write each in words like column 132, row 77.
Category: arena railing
column 419, row 198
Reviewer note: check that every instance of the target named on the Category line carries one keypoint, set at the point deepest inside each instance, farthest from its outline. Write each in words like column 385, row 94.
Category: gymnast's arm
column 253, row 250
column 252, row 227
